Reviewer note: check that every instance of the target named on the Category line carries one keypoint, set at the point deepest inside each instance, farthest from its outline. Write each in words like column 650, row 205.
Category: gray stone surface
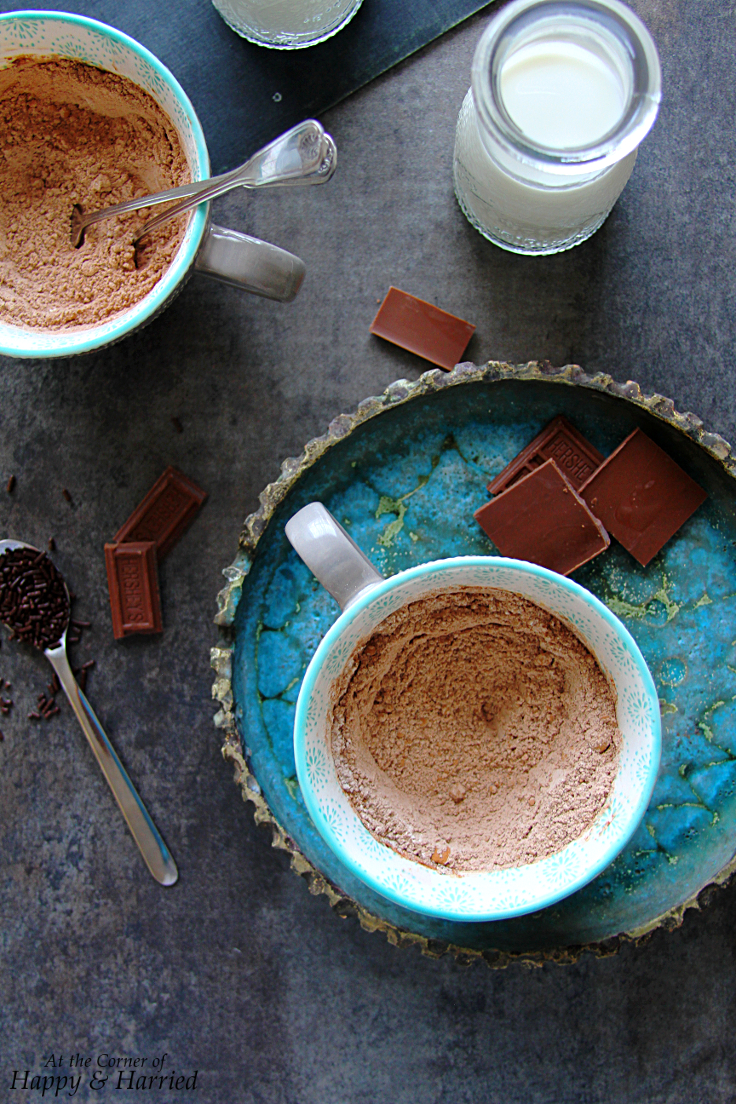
column 237, row 971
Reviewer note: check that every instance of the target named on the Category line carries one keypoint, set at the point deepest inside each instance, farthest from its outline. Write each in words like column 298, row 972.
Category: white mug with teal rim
column 227, row 255
column 366, row 598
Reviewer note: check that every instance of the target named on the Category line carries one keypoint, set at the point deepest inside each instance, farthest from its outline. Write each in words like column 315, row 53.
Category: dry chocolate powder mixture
column 475, row 731
column 71, row 133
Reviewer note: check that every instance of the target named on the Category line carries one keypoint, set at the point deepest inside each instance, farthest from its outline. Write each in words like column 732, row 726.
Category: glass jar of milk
column 562, row 93
column 287, row 24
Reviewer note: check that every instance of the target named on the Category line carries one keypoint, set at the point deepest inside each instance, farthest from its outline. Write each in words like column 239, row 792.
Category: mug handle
column 331, row 554
column 245, row 262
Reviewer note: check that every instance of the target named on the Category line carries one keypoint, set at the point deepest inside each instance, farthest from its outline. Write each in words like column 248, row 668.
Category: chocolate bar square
column 541, row 518
column 164, row 513
column 642, row 496
column 559, row 441
column 132, row 580
column 422, row 328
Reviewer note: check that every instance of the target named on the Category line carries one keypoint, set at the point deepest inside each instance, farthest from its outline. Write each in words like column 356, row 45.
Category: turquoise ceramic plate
column 404, row 475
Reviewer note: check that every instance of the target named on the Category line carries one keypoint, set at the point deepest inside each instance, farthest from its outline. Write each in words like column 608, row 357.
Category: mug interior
column 496, row 894
column 75, row 37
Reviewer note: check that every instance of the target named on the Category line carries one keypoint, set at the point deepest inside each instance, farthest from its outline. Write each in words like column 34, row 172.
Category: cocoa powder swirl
column 71, row 133
column 475, row 731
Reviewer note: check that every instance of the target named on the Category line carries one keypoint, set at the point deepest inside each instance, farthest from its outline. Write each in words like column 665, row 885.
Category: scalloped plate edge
column 255, row 524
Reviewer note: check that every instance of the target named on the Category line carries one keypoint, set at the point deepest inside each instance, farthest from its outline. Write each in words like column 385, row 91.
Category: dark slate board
column 235, row 86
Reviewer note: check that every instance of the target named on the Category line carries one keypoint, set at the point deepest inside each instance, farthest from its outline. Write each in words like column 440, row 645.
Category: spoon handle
column 269, row 173
column 155, row 853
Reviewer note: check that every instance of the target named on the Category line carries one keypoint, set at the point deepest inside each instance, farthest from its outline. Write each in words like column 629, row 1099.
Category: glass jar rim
column 609, row 18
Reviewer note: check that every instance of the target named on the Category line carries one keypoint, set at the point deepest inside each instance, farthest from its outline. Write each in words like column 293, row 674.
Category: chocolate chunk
column 642, row 496
column 541, row 518
column 441, row 855
column 559, row 441
column 422, row 328
column 164, row 513
column 132, row 580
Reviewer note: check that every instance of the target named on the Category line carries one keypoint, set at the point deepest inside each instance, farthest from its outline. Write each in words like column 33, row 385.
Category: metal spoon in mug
column 306, row 154
column 57, row 615
column 324, row 169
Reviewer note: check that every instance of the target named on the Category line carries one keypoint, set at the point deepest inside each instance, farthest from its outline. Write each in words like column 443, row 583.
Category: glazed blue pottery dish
column 404, row 475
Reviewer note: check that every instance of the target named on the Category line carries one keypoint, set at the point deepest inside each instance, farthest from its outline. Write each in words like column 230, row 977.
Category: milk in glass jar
column 562, row 94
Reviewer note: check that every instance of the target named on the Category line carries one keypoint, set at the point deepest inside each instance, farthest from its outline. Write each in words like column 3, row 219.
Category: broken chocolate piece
column 132, row 579
column 422, row 328
column 164, row 513
column 642, row 496
column 542, row 519
column 559, row 441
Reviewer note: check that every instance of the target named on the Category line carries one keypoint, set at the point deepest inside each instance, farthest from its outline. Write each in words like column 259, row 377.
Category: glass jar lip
column 610, row 17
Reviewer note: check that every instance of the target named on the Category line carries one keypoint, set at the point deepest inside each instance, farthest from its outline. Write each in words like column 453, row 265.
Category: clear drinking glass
column 287, row 24
column 562, row 93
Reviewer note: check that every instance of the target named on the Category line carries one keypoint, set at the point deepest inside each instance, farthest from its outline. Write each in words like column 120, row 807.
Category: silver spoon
column 155, row 853
column 320, row 174
column 306, row 154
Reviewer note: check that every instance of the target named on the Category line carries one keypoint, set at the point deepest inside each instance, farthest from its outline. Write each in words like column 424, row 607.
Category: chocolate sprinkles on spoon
column 33, row 599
